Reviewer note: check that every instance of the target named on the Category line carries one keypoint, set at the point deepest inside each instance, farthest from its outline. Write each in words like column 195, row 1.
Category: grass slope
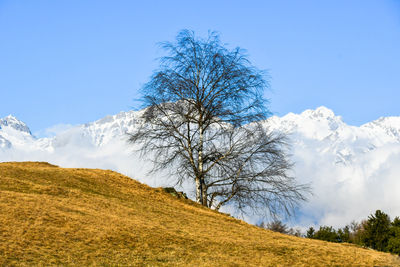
column 57, row 216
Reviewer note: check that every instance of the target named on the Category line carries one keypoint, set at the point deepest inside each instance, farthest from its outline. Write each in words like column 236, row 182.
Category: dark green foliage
column 310, row 232
column 394, row 240
column 377, row 230
column 344, row 234
column 327, row 233
column 396, row 222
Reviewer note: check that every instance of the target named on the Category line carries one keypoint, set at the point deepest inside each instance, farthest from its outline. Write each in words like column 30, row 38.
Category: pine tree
column 377, row 231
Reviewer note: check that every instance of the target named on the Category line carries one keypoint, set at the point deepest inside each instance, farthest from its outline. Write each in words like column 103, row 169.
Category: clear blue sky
column 76, row 61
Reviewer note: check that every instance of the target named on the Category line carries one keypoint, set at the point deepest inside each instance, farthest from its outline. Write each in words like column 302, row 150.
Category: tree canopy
column 203, row 121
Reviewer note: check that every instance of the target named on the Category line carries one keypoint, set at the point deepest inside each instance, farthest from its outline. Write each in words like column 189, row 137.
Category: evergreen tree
column 327, row 233
column 344, row 234
column 394, row 239
column 377, row 231
column 310, row 232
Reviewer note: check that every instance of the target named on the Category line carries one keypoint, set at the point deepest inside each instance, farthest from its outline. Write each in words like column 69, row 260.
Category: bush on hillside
column 326, row 233
column 280, row 227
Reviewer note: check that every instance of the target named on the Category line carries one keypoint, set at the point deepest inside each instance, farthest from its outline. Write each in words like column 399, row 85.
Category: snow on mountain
column 352, row 170
column 12, row 122
column 387, row 128
column 14, row 133
column 328, row 134
column 108, row 128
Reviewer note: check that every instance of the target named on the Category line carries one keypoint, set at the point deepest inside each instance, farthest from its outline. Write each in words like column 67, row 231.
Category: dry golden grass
column 56, row 216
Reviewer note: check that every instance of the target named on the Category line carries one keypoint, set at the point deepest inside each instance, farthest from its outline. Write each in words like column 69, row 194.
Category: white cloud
column 53, row 130
column 343, row 193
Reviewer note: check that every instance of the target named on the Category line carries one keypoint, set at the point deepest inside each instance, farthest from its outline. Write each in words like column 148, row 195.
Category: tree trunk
column 199, row 194
column 203, row 197
column 204, row 193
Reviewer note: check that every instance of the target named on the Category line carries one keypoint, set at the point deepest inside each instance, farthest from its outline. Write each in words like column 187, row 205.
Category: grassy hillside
column 56, row 216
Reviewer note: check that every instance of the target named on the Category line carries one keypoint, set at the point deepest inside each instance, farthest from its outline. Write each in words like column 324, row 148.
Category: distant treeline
column 377, row 232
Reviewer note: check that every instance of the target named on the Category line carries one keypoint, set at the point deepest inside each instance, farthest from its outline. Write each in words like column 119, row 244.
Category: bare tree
column 278, row 226
column 203, row 122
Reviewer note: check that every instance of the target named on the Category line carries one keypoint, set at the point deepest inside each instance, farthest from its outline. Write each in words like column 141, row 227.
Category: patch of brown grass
column 57, row 216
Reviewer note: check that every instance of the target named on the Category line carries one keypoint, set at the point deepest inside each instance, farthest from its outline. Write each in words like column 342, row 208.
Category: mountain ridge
column 102, row 130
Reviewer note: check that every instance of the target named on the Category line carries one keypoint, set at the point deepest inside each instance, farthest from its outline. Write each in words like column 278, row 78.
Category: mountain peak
column 13, row 122
column 10, row 117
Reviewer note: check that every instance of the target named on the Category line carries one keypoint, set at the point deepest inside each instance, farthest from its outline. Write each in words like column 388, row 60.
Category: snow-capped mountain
column 14, row 133
column 352, row 170
column 320, row 126
column 327, row 133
